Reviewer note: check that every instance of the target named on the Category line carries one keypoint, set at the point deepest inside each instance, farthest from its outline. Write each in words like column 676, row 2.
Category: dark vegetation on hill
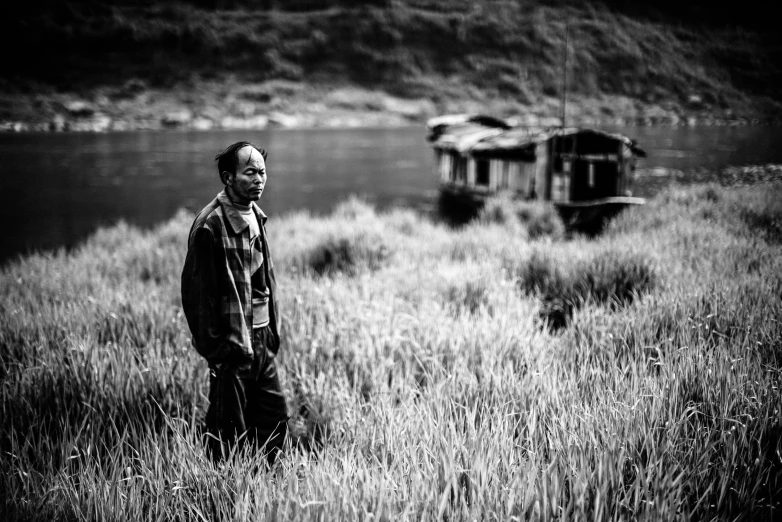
column 694, row 57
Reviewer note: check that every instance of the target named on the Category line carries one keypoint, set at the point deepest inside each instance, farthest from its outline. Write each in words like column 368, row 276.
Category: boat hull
column 592, row 216
column 460, row 203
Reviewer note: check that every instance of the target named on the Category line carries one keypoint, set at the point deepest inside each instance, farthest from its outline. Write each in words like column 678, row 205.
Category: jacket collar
column 234, row 218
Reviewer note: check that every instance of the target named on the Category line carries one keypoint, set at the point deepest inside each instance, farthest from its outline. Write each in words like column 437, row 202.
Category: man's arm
column 200, row 298
column 271, row 282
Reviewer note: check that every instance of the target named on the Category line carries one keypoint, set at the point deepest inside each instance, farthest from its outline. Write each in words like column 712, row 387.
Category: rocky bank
column 202, row 106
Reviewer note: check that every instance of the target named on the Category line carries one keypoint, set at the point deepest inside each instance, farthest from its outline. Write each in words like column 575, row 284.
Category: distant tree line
column 750, row 13
column 512, row 48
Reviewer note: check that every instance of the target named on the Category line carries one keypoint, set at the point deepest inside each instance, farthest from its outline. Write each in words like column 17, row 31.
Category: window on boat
column 460, row 170
column 482, row 173
column 505, row 181
column 445, row 165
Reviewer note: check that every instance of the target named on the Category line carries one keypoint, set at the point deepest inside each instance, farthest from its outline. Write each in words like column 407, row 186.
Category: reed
column 424, row 386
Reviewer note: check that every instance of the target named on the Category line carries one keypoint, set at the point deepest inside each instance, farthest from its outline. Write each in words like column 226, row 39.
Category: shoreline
column 231, row 105
column 725, row 177
column 101, row 123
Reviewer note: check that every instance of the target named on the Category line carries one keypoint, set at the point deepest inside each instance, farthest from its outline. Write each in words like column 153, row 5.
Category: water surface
column 58, row 188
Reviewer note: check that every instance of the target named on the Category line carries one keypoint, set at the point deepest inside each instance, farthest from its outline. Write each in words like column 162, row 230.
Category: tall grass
column 533, row 218
column 611, row 277
column 425, row 386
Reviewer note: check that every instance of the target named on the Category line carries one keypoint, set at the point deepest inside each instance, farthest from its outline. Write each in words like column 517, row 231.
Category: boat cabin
column 567, row 166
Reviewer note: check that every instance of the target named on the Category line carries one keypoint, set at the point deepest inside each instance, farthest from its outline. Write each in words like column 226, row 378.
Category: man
column 229, row 299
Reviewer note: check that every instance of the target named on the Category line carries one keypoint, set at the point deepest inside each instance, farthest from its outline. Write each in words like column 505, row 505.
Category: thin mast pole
column 564, row 71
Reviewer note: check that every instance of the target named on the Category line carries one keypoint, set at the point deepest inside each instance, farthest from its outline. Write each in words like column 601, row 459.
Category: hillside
column 148, row 63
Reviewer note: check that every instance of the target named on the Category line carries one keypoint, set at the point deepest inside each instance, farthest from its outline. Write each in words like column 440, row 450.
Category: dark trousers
column 247, row 401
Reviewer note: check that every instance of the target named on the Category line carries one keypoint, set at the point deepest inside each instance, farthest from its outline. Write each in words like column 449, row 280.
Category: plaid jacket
column 216, row 290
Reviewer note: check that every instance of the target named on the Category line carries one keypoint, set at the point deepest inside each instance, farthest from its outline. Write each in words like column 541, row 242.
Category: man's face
column 247, row 183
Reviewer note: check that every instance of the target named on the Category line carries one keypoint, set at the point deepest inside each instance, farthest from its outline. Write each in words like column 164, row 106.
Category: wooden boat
column 586, row 173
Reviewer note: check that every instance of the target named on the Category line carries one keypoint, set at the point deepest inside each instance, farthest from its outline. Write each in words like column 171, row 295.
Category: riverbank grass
column 424, row 375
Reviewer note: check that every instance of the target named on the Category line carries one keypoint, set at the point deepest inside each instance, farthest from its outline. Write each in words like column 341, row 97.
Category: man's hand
column 237, row 360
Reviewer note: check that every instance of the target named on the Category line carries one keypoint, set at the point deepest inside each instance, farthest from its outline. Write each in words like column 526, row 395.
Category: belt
column 260, row 314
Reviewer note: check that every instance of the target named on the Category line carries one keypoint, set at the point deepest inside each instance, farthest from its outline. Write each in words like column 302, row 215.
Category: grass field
column 501, row 371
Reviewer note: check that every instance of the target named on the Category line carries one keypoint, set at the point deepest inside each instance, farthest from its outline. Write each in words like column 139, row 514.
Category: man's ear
column 226, row 177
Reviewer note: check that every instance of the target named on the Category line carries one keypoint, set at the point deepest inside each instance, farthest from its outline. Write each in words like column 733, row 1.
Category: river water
column 58, row 188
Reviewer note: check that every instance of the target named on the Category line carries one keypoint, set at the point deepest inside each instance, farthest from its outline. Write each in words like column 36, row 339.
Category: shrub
column 348, row 254
column 610, row 278
column 545, row 276
column 763, row 216
column 469, row 296
column 355, row 208
column 500, row 210
column 540, row 219
column 616, row 277
column 405, row 221
column 542, row 274
column 535, row 218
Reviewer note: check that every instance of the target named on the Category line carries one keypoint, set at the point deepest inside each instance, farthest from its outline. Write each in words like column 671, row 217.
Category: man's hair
column 227, row 159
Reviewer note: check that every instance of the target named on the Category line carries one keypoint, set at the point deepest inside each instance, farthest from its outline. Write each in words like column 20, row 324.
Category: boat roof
column 465, row 133
column 512, row 139
column 460, row 119
column 460, row 132
column 631, row 143
column 464, row 137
